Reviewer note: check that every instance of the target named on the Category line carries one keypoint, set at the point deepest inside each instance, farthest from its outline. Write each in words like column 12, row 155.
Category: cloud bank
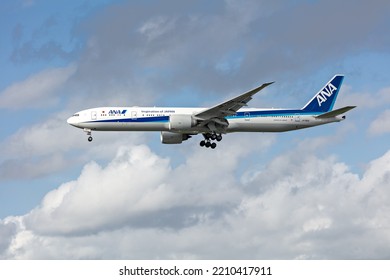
column 140, row 206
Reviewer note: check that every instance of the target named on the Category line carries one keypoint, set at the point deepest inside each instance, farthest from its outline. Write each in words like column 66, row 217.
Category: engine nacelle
column 173, row 137
column 179, row 122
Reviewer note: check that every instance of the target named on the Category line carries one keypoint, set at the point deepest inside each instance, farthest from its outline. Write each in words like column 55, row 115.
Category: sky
column 319, row 193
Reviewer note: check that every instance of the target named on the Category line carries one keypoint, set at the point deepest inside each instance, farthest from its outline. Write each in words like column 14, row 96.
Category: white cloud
column 92, row 203
column 7, row 231
column 145, row 183
column 363, row 100
column 37, row 90
column 368, row 105
column 40, row 149
column 53, row 145
column 43, row 138
column 156, row 27
column 139, row 206
column 381, row 124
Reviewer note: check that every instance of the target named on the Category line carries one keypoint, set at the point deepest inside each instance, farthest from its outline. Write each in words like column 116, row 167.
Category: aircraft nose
column 72, row 121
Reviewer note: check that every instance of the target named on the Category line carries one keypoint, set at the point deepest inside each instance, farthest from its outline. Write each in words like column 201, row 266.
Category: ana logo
column 325, row 93
column 117, row 112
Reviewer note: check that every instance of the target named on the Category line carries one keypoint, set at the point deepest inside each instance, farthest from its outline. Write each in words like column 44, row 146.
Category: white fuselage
column 158, row 119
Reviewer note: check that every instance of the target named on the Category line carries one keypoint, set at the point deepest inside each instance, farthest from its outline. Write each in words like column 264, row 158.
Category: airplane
column 179, row 124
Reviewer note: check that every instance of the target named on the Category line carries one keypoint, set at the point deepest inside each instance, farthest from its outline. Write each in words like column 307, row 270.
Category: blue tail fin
column 324, row 100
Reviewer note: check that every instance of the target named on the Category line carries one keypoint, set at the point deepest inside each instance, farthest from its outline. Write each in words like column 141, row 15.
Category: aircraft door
column 247, row 116
column 297, row 118
column 134, row 115
column 93, row 115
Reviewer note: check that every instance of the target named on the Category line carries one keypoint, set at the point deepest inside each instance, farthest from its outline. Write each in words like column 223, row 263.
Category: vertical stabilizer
column 324, row 100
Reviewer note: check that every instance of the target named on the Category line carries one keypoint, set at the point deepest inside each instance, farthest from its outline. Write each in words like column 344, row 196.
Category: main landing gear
column 208, row 138
column 89, row 133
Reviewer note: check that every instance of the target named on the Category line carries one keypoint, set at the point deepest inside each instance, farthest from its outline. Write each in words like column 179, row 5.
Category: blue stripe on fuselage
column 132, row 120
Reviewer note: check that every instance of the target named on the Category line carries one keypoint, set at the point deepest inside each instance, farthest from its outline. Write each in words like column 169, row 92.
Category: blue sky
column 273, row 195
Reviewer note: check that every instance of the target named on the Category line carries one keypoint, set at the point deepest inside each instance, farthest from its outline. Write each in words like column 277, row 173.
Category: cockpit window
column 76, row 115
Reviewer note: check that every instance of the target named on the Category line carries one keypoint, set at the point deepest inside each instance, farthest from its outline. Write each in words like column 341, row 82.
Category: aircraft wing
column 229, row 107
column 335, row 113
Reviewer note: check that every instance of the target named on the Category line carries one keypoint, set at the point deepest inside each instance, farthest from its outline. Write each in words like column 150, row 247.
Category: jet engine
column 173, row 137
column 179, row 122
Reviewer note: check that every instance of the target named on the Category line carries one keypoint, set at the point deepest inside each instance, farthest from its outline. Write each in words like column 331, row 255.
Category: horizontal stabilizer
column 335, row 113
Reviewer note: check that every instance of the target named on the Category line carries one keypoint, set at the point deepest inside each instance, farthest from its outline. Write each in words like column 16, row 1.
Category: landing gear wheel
column 209, row 139
column 89, row 133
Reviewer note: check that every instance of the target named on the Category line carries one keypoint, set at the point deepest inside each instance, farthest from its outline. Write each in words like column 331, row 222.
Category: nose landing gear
column 89, row 133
